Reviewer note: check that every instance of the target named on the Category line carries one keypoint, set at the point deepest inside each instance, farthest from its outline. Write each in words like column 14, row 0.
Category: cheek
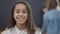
column 14, row 16
column 26, row 16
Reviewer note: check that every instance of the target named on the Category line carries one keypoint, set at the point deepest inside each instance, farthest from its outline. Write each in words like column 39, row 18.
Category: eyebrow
column 24, row 9
column 16, row 9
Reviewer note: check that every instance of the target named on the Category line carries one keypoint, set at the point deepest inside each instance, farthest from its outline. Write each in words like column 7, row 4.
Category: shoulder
column 50, row 13
column 7, row 31
column 38, row 30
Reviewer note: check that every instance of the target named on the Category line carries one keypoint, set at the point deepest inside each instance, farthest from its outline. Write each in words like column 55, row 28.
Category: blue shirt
column 51, row 22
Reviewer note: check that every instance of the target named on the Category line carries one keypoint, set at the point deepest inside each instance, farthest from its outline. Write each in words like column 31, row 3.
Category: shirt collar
column 19, row 31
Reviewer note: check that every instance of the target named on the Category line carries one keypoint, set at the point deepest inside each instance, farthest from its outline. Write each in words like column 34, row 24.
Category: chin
column 20, row 22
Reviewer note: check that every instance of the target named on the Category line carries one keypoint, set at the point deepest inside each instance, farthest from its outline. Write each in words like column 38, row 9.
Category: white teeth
column 19, row 18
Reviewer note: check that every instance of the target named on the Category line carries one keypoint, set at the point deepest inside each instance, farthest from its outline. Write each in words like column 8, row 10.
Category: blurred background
column 5, row 8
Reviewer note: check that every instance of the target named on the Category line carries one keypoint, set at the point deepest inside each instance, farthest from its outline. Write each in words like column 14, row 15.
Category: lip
column 20, row 19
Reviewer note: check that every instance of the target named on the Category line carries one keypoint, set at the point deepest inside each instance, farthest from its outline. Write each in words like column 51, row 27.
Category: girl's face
column 20, row 13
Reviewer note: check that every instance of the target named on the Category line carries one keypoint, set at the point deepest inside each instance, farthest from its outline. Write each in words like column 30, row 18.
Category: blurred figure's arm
column 45, row 24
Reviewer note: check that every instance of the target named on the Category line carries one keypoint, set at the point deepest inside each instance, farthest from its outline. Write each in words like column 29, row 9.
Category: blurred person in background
column 45, row 9
column 51, row 19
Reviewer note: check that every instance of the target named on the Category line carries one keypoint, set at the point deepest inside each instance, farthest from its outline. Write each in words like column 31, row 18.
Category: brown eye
column 24, row 11
column 17, row 11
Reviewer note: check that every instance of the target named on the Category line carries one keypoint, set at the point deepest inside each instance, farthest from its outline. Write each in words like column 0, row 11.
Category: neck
column 21, row 26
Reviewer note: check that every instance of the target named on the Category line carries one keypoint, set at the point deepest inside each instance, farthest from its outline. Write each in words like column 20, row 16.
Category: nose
column 21, row 14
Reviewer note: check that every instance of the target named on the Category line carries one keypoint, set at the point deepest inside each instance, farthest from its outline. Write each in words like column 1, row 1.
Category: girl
column 21, row 21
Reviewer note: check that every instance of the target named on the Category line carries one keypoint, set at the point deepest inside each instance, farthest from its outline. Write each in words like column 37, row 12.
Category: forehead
column 20, row 6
